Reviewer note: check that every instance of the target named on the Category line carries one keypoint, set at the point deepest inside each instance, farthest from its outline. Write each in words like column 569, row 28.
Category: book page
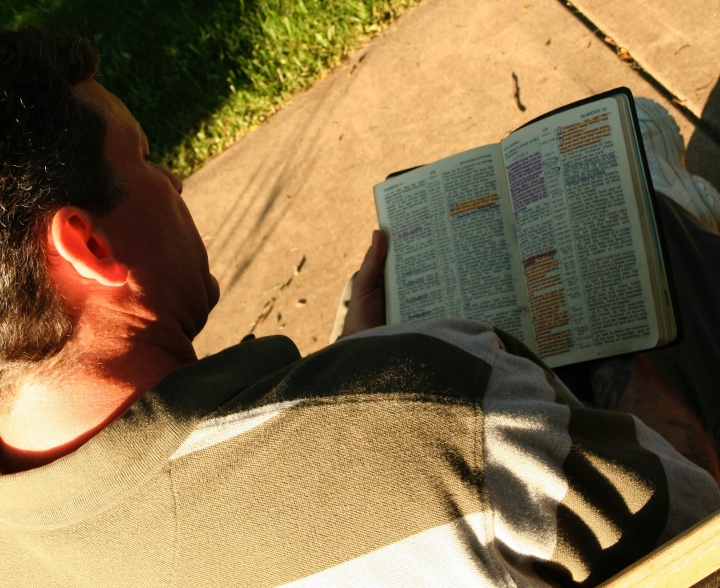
column 580, row 235
column 450, row 249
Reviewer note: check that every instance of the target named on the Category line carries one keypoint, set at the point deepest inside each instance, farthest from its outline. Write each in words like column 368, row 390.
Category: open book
column 549, row 235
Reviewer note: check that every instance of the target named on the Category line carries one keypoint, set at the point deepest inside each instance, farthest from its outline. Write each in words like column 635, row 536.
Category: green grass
column 198, row 74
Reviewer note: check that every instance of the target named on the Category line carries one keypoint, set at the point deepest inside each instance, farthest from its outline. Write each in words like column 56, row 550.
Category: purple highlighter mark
column 527, row 183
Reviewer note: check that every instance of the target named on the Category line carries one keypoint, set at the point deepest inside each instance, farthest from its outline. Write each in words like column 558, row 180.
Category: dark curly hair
column 51, row 155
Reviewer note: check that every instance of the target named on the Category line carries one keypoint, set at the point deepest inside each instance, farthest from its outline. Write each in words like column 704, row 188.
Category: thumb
column 371, row 270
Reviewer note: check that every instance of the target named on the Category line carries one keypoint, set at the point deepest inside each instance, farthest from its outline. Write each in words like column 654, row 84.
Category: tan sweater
column 435, row 455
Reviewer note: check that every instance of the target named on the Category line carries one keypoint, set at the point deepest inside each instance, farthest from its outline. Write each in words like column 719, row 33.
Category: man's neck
column 64, row 403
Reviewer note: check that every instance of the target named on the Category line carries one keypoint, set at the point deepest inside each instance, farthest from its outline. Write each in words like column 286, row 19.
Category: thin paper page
column 579, row 234
column 450, row 248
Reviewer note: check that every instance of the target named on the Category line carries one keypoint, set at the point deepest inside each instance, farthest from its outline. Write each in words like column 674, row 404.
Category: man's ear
column 78, row 240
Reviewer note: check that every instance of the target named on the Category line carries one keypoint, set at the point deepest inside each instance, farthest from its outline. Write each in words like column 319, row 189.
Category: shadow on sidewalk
column 158, row 56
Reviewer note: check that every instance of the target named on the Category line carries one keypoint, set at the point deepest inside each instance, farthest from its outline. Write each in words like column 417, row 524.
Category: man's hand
column 367, row 300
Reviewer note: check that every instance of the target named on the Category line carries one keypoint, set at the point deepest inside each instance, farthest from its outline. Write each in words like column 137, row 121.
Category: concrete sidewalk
column 287, row 213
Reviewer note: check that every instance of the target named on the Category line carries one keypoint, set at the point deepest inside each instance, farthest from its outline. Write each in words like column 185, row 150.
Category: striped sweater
column 441, row 454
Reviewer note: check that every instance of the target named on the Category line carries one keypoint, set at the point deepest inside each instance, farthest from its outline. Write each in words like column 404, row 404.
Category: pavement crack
column 270, row 304
column 624, row 54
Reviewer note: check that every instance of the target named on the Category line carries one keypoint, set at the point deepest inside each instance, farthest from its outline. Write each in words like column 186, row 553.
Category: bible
column 549, row 235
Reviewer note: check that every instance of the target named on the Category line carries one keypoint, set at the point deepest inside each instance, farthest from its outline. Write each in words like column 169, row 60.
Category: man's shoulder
column 448, row 359
column 406, row 369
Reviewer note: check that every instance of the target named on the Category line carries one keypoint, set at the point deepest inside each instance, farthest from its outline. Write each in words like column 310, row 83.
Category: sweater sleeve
column 435, row 454
column 576, row 493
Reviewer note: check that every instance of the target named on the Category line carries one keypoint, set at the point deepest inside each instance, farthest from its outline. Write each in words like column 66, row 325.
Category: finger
column 371, row 269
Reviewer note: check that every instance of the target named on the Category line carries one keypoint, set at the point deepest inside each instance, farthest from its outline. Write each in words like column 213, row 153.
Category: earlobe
column 77, row 240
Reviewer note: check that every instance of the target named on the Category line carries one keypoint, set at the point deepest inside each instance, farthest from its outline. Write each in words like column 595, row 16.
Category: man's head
column 146, row 248
column 87, row 221
column 104, row 279
column 51, row 155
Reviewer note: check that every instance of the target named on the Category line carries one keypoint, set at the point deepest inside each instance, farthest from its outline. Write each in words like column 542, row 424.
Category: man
column 438, row 454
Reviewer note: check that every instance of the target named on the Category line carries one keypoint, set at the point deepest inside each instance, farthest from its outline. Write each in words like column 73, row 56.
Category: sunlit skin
column 367, row 299
column 138, row 282
column 140, row 287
